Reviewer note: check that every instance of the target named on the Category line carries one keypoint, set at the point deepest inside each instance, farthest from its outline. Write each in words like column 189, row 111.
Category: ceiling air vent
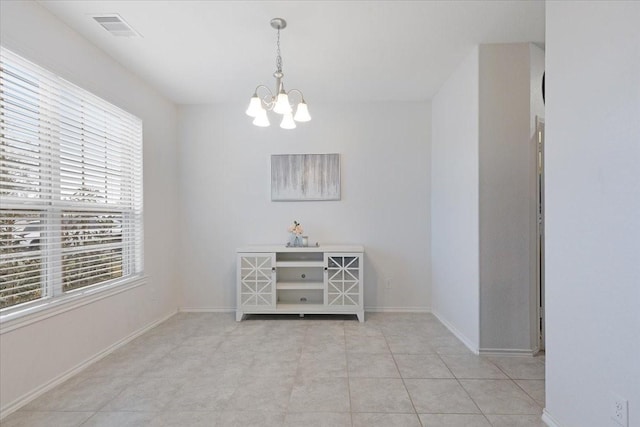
column 116, row 25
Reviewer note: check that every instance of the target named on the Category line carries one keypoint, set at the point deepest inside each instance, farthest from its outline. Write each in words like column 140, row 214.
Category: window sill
column 55, row 306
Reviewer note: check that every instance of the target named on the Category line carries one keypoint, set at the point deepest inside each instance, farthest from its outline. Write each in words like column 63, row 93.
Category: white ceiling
column 197, row 52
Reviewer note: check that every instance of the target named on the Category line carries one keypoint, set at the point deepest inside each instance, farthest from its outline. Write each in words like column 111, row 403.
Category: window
column 70, row 187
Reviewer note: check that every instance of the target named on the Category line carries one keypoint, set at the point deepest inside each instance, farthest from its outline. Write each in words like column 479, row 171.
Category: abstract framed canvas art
column 298, row 177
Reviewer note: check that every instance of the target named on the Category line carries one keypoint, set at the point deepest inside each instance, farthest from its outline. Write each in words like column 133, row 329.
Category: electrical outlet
column 620, row 410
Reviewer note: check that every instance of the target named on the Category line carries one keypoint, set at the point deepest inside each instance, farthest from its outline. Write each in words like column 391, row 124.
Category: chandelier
column 280, row 102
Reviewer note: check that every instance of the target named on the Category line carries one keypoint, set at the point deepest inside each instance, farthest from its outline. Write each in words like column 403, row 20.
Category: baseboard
column 462, row 337
column 397, row 310
column 507, row 352
column 28, row 397
column 366, row 309
column 207, row 310
column 548, row 419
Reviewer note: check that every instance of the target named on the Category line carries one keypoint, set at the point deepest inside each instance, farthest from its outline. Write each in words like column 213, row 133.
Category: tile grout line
column 254, row 339
column 513, row 380
column 295, row 378
column 415, row 411
column 464, row 389
column 346, row 368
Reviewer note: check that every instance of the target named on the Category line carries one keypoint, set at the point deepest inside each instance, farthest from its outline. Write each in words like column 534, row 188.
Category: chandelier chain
column 278, row 57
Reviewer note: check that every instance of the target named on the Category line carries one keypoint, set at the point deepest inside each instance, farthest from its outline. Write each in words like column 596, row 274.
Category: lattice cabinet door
column 343, row 279
column 256, row 281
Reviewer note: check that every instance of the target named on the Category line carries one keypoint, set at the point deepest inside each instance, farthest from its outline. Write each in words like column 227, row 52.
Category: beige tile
column 319, row 328
column 252, row 328
column 240, row 343
column 440, row 396
column 251, row 419
column 362, row 329
column 160, row 338
column 379, row 395
column 364, row 365
column 203, row 342
column 273, row 367
column 45, row 419
column 516, row 420
column 500, row 397
column 204, row 369
column 80, row 394
column 318, row 419
column 534, row 388
column 421, row 366
column 146, row 394
column 150, row 346
column 365, row 344
column 119, row 419
column 124, row 363
column 320, row 395
column 402, row 329
column 171, row 332
column 378, row 318
column 472, row 366
column 286, row 327
column 453, row 420
column 219, row 363
column 281, row 345
column 321, row 344
column 521, row 368
column 448, row 345
column 406, row 344
column 385, row 420
column 285, row 352
column 177, row 365
column 436, row 329
column 204, row 394
column 183, row 419
column 323, row 364
column 212, row 325
column 185, row 352
column 269, row 394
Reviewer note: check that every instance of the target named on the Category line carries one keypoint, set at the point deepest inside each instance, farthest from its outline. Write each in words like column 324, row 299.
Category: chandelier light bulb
column 302, row 113
column 282, row 104
column 287, row 122
column 261, row 119
column 255, row 105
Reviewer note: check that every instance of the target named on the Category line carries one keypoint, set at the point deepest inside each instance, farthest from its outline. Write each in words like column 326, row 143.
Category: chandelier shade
column 302, row 113
column 287, row 122
column 255, row 106
column 280, row 100
column 282, row 104
column 261, row 119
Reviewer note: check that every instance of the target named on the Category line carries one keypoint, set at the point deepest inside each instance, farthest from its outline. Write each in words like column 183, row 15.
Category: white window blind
column 70, row 187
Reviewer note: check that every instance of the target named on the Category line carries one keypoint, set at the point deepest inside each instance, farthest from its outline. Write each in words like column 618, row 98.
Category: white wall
column 537, row 63
column 225, row 196
column 35, row 355
column 592, row 211
column 483, row 199
column 507, row 202
column 454, row 202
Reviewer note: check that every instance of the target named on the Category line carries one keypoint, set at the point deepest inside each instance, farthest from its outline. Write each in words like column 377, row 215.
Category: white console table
column 291, row 280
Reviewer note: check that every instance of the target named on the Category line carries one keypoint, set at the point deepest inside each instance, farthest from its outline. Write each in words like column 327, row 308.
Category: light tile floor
column 203, row 369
